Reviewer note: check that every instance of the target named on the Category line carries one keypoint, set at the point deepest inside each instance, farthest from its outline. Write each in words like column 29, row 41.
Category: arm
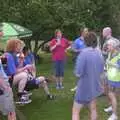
column 80, row 65
column 53, row 47
column 2, row 84
column 53, row 44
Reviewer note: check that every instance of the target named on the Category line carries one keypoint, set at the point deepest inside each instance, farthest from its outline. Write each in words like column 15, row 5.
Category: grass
column 61, row 107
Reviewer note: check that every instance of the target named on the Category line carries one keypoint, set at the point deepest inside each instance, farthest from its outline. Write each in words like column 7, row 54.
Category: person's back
column 89, row 68
column 90, row 80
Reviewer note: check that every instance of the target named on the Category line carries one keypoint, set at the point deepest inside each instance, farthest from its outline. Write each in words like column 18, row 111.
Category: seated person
column 18, row 76
column 33, row 81
column 6, row 96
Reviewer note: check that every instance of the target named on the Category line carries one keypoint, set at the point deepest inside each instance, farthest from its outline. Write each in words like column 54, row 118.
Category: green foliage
column 44, row 16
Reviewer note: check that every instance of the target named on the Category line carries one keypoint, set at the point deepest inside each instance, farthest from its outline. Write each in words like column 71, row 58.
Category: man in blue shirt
column 79, row 44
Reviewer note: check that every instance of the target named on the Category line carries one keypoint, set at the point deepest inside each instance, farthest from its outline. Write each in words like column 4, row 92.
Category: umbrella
column 11, row 30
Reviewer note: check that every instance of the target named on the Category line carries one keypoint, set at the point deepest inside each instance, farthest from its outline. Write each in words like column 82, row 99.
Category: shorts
column 59, row 68
column 7, row 103
column 32, row 84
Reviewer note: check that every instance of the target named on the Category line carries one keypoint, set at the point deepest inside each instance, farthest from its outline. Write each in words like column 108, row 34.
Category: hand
column 8, row 89
column 58, row 43
column 29, row 67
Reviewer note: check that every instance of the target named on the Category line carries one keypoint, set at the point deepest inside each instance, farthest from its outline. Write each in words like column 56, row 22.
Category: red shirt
column 59, row 52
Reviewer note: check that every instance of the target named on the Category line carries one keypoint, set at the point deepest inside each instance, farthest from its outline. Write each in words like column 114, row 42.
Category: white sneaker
column 113, row 117
column 24, row 100
column 73, row 89
column 109, row 109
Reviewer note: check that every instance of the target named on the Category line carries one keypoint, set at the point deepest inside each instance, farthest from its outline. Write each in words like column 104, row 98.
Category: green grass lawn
column 61, row 107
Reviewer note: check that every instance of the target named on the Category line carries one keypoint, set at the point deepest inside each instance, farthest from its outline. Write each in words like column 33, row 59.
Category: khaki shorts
column 7, row 103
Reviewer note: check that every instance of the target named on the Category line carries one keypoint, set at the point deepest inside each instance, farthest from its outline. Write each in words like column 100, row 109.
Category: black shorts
column 31, row 84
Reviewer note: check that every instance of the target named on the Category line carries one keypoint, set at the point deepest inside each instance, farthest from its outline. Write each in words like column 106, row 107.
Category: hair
column 107, row 30
column 25, row 50
column 12, row 44
column 57, row 30
column 82, row 29
column 91, row 39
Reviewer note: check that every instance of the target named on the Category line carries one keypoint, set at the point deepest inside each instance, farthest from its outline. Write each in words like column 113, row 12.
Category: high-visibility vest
column 112, row 71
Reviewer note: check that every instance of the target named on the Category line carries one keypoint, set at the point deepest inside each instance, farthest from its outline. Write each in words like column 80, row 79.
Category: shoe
column 113, row 117
column 27, row 93
column 24, row 100
column 109, row 109
column 73, row 89
column 57, row 87
column 61, row 87
column 50, row 97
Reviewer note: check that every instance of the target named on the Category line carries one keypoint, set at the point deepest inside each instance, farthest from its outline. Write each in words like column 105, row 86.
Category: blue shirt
column 29, row 59
column 78, row 44
column 12, row 64
column 89, row 66
column 2, row 73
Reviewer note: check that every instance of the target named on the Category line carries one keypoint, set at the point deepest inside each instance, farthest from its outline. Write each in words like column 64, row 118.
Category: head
column 107, row 32
column 58, row 33
column 14, row 45
column 83, row 32
column 26, row 51
column 91, row 39
column 21, row 56
column 113, row 47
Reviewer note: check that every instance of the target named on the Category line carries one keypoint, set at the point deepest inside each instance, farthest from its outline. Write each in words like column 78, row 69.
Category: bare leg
column 76, row 111
column 57, row 81
column 12, row 116
column 93, row 110
column 113, row 100
column 44, row 85
column 61, row 82
column 21, row 80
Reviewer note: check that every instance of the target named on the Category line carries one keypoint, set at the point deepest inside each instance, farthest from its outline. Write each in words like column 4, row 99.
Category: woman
column 89, row 68
column 58, row 46
column 113, row 74
column 18, row 75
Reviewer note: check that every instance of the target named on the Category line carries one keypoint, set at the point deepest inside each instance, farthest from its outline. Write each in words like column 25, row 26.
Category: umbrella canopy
column 11, row 30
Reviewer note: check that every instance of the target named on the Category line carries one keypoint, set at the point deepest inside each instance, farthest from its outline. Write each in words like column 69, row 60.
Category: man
column 109, row 39
column 78, row 43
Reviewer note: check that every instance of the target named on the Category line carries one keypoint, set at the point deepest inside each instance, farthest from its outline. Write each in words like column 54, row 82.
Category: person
column 26, row 58
column 17, row 76
column 109, row 39
column 113, row 74
column 29, row 59
column 6, row 96
column 78, row 45
column 107, row 36
column 89, row 68
column 58, row 47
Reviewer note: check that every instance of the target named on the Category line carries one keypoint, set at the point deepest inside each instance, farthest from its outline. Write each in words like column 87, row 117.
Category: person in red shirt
column 58, row 47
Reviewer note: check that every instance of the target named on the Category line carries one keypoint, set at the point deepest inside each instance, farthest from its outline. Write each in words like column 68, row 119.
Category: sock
column 60, row 84
column 57, row 83
column 46, row 90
